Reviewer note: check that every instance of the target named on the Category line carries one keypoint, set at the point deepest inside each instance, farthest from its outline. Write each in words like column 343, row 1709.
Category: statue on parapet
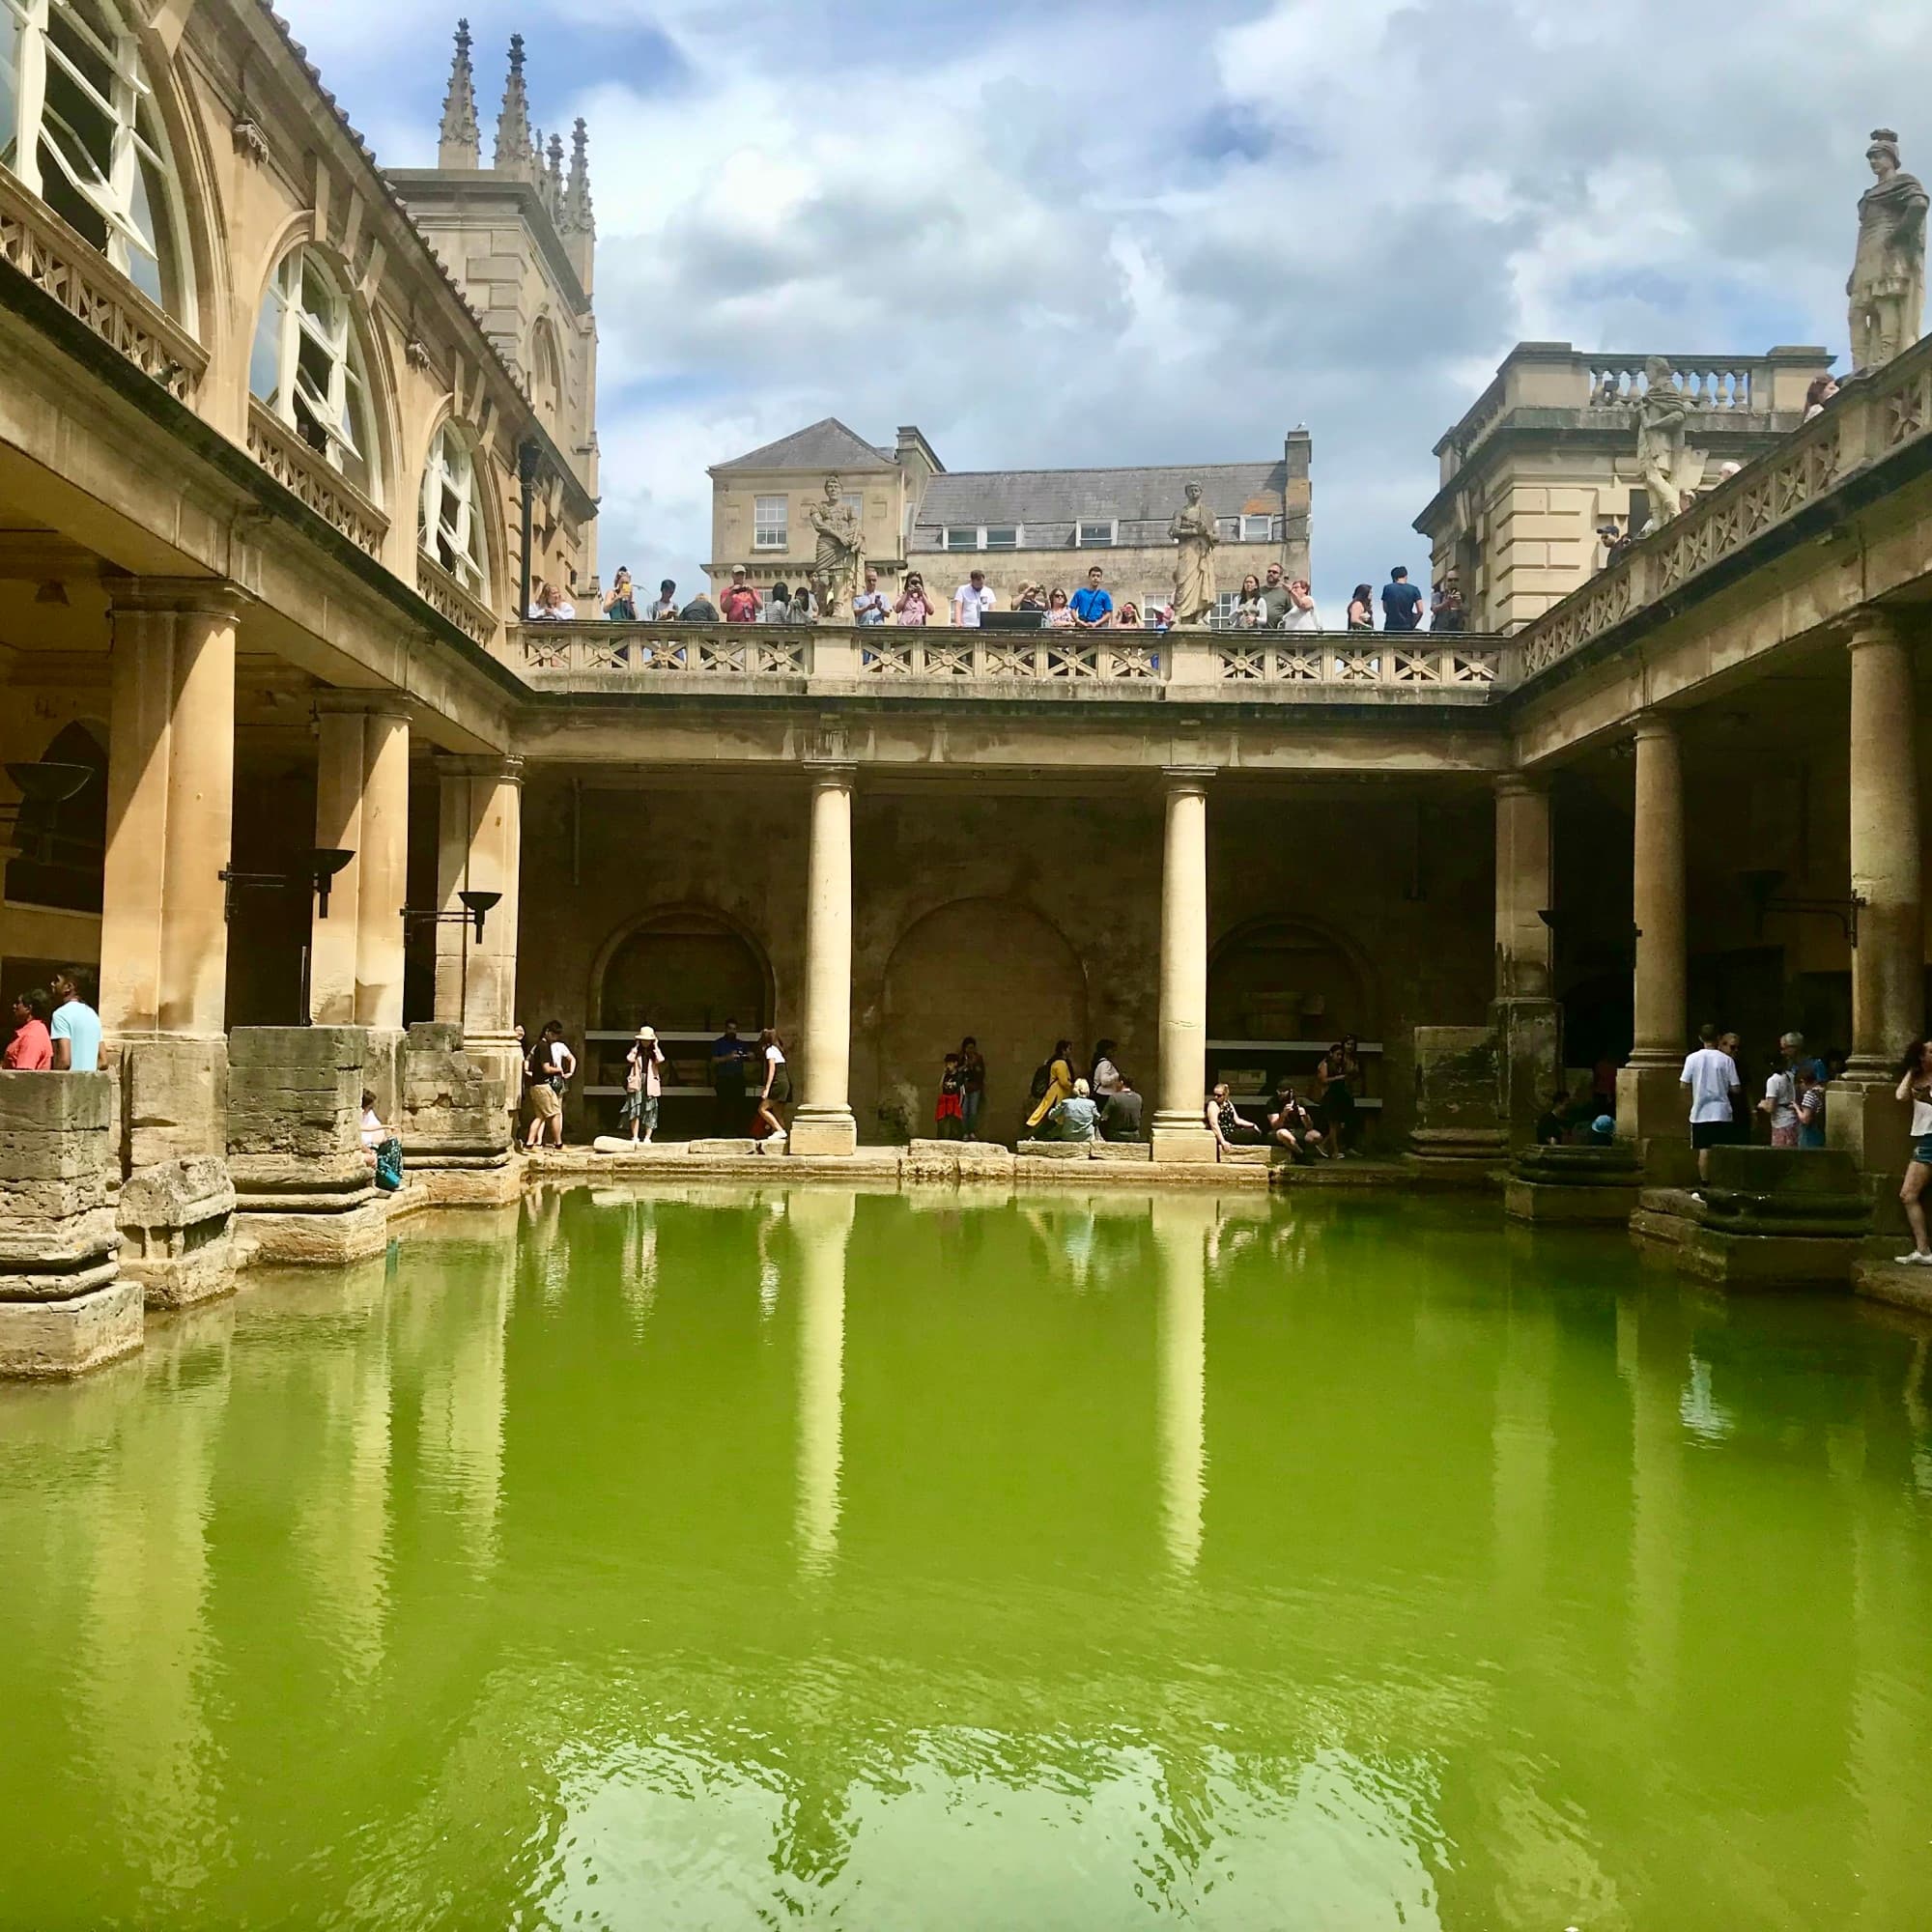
column 841, row 560
column 1669, row 472
column 1193, row 530
column 1887, row 280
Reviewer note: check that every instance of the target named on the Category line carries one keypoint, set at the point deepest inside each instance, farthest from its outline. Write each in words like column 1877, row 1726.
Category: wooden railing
column 1187, row 664
column 1871, row 418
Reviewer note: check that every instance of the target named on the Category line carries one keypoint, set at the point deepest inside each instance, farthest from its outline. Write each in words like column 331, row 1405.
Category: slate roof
column 1048, row 502
column 827, row 445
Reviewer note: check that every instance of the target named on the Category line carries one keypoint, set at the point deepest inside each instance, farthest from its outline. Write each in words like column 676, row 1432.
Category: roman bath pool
column 743, row 1560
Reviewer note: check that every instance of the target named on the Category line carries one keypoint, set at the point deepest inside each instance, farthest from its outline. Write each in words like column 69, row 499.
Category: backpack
column 389, row 1165
column 1042, row 1079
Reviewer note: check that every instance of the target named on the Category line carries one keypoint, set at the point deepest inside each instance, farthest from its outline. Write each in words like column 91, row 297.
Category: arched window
column 452, row 512
column 307, row 366
column 78, row 127
column 546, row 375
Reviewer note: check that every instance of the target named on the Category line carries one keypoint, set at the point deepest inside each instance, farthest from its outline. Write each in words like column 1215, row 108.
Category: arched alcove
column 993, row 968
column 683, row 969
column 1290, row 977
column 63, row 848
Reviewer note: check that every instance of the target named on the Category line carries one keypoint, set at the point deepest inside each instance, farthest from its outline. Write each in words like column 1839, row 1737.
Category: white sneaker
column 1914, row 1259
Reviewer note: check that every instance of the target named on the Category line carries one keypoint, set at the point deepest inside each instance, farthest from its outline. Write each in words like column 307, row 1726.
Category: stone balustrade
column 307, row 475
column 1184, row 665
column 1705, row 382
column 1873, row 418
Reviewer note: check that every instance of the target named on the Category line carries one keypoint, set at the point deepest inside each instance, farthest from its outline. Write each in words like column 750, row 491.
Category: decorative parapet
column 448, row 599
column 1245, row 665
column 1873, row 417
column 305, row 475
column 61, row 264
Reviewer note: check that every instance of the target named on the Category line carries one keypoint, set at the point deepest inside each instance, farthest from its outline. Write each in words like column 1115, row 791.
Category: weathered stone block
column 955, row 1163
column 1574, row 1186
column 62, row 1309
column 1458, row 1126
column 1053, row 1150
column 1774, row 1217
column 174, row 1098
column 48, row 1340
column 453, row 1110
column 174, row 1219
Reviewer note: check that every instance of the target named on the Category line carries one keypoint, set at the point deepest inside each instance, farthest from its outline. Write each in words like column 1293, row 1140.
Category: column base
column 176, row 1231
column 1864, row 1119
column 51, row 1340
column 1652, row 1102
column 1182, row 1137
column 823, row 1130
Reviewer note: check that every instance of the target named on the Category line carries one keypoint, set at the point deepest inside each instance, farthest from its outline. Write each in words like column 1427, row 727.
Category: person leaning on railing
column 551, row 606
column 621, row 605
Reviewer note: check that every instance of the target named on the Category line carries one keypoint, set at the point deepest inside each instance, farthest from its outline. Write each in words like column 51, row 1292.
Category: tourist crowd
column 1275, row 602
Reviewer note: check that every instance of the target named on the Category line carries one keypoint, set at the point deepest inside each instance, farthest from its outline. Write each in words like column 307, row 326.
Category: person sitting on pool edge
column 1077, row 1117
column 1293, row 1126
column 1225, row 1122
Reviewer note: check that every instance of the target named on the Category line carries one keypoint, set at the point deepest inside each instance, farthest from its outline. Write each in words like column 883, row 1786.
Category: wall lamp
column 1761, row 887
column 317, row 874
column 475, row 905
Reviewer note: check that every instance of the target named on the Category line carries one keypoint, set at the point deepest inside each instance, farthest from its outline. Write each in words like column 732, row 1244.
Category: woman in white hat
column 643, row 1086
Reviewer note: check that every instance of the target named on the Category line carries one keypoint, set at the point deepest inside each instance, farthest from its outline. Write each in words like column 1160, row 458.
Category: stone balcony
column 1180, row 667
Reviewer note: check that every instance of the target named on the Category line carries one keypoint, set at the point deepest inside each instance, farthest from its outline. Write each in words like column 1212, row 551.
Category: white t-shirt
column 1709, row 1076
column 1781, row 1091
column 373, row 1135
column 775, row 1054
column 1295, row 619
column 968, row 603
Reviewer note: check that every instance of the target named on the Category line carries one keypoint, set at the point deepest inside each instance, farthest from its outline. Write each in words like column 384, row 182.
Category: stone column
column 1528, row 1021
column 362, row 805
column 479, row 848
column 1650, row 1102
column 1179, row 1132
column 1183, row 1224
column 163, row 929
column 824, row 1124
column 820, row 1221
column 1888, row 963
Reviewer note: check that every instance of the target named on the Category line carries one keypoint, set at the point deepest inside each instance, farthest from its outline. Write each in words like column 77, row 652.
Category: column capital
column 383, row 703
column 1653, row 724
column 1869, row 624
column 1521, row 784
column 1188, row 778
column 198, row 596
column 504, row 770
column 832, row 772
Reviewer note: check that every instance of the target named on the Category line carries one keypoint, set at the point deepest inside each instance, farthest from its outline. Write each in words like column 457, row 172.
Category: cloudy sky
column 1054, row 233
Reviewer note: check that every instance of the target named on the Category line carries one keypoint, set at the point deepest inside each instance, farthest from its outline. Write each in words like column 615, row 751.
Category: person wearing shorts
column 553, row 1066
column 1715, row 1088
column 1914, row 1084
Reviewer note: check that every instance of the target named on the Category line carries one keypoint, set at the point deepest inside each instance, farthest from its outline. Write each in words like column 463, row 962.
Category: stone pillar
column 1183, row 1224
column 820, row 1220
column 1179, row 1130
column 1651, row 1103
column 62, row 1309
column 824, row 1124
column 453, row 1115
column 479, row 848
column 1528, row 1021
column 163, row 929
column 362, row 805
column 1888, row 963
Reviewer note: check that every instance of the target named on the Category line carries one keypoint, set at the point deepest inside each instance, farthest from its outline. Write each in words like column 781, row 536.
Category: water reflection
column 879, row 1561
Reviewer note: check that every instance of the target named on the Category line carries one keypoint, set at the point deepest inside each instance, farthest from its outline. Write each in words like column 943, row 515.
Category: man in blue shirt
column 76, row 1027
column 728, row 1054
column 1093, row 609
column 1401, row 603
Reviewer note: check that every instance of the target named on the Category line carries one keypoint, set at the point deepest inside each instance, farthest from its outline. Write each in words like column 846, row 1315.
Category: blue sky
column 1143, row 233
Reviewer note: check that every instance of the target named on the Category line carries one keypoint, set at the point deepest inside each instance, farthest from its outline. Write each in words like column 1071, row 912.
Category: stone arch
column 545, row 375
column 682, row 968
column 1290, row 975
column 497, row 561
column 992, row 967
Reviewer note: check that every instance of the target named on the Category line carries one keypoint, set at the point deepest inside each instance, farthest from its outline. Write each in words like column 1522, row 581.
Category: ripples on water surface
column 901, row 1563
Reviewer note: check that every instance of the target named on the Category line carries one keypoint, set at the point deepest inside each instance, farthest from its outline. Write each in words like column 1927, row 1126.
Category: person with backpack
column 552, row 1068
column 381, row 1148
column 1052, row 1083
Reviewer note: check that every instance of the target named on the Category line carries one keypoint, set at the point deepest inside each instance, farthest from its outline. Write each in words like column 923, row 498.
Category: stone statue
column 840, row 558
column 1193, row 529
column 1887, row 281
column 1669, row 471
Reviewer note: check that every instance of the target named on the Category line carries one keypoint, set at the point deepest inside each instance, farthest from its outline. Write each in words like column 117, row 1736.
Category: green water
column 884, row 1563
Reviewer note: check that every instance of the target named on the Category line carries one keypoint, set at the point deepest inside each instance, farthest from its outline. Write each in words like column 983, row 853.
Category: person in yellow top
column 1059, row 1081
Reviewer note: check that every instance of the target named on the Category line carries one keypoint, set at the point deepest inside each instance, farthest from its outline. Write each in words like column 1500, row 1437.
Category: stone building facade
column 1044, row 527
column 1545, row 459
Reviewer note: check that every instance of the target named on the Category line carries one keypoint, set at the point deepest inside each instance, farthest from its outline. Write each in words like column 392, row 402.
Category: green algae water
column 732, row 1560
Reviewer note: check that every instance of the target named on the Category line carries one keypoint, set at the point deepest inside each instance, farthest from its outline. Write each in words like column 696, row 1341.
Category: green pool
column 750, row 1561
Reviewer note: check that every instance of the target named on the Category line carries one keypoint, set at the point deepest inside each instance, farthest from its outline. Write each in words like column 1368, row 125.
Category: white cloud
column 1064, row 234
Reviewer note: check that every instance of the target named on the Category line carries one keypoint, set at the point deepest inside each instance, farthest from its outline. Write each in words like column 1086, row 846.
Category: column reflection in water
column 1182, row 1228
column 820, row 1225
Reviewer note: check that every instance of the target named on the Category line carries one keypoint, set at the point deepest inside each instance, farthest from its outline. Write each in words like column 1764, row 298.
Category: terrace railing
column 1182, row 665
